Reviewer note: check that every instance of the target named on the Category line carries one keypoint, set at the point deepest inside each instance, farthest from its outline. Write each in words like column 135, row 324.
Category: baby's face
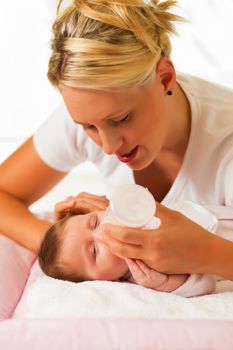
column 84, row 254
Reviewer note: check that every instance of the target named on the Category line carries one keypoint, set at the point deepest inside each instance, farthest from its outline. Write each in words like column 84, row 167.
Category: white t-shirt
column 206, row 175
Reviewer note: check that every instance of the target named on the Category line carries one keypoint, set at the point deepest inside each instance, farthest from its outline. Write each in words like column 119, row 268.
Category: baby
column 72, row 250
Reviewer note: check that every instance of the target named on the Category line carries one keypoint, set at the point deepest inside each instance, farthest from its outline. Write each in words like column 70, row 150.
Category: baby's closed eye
column 94, row 221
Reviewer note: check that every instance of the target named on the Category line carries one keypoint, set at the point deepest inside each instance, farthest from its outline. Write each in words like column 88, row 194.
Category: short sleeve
column 196, row 285
column 224, row 214
column 228, row 181
column 60, row 142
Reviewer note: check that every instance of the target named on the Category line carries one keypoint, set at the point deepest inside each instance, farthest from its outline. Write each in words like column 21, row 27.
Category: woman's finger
column 62, row 205
column 92, row 201
column 102, row 200
column 75, row 205
column 62, row 208
column 127, row 235
column 87, row 194
column 69, row 198
column 87, row 206
column 123, row 250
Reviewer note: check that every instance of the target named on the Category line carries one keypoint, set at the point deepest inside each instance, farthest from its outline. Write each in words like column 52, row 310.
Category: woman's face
column 84, row 255
column 130, row 124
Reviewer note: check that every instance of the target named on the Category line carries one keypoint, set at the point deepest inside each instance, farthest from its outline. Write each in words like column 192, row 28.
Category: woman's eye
column 124, row 119
column 120, row 121
column 89, row 127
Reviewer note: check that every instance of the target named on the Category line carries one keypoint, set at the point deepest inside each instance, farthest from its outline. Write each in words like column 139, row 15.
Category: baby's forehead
column 72, row 235
column 75, row 223
column 71, row 256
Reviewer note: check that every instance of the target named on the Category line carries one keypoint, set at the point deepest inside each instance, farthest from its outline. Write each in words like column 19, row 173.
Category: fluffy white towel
column 46, row 297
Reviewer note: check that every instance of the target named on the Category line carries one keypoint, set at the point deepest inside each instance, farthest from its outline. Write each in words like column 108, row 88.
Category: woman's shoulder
column 205, row 89
column 211, row 104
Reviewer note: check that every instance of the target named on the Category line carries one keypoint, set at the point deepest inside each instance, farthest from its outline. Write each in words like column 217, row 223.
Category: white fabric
column 221, row 223
column 207, row 170
column 197, row 284
column 39, row 286
column 45, row 297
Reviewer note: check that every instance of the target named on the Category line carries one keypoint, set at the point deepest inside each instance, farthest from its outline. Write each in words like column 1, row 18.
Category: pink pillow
column 15, row 265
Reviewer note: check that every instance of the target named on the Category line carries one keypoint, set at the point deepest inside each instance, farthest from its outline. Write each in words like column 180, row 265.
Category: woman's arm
column 178, row 246
column 24, row 178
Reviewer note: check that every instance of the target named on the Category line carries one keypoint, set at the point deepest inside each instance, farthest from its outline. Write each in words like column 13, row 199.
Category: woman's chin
column 139, row 164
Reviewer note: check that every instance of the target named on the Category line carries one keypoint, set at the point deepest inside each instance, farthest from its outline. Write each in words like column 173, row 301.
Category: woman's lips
column 125, row 158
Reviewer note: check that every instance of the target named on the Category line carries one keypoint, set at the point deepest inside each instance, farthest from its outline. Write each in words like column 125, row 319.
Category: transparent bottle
column 133, row 206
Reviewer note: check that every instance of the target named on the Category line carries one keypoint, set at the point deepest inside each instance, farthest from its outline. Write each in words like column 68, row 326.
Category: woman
column 126, row 110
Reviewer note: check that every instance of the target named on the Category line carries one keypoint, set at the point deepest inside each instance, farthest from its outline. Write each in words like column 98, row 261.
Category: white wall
column 26, row 95
column 204, row 48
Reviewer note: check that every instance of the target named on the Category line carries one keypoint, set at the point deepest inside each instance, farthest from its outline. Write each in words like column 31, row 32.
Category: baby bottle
column 133, row 206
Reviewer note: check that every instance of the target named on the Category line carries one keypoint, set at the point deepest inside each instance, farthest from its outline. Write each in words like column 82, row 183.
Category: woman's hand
column 178, row 246
column 82, row 203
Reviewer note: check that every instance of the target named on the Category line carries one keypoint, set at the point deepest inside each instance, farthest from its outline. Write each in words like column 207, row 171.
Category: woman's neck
column 179, row 124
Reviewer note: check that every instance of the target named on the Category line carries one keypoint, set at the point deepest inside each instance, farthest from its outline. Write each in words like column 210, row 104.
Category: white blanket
column 45, row 297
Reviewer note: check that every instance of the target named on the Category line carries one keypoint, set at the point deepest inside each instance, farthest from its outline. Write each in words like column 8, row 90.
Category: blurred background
column 203, row 47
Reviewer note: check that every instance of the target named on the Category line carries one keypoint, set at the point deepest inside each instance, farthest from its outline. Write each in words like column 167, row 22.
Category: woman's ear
column 165, row 72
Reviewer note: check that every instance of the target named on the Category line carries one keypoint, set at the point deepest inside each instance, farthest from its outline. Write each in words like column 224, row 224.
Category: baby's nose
column 97, row 234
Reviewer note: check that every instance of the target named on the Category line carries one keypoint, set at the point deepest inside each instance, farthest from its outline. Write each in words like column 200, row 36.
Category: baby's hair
column 50, row 249
column 109, row 45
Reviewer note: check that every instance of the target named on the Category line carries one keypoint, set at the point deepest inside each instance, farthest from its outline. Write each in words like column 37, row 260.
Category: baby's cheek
column 109, row 266
column 112, row 265
column 119, row 265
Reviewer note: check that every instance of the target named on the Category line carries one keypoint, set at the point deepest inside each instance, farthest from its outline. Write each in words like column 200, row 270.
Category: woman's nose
column 110, row 142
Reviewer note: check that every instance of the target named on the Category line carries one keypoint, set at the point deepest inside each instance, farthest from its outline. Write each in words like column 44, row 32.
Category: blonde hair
column 109, row 45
